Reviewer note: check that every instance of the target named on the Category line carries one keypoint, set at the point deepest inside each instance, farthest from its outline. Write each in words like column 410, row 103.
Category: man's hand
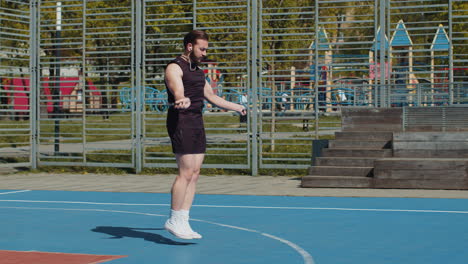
column 242, row 110
column 183, row 103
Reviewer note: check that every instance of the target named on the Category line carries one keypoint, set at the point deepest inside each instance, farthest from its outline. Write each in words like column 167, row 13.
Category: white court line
column 250, row 207
column 305, row 255
column 16, row 192
column 80, row 202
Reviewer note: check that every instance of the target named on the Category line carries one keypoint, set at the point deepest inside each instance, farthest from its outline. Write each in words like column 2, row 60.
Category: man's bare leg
column 196, row 163
column 183, row 193
column 183, row 189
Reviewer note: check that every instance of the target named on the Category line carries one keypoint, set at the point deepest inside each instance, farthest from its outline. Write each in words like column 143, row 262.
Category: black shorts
column 186, row 130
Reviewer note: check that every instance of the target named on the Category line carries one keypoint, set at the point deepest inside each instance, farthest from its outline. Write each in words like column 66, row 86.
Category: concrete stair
column 340, row 170
column 364, row 136
column 379, row 153
column 372, row 151
column 421, row 173
column 421, row 168
column 358, row 144
column 371, row 119
column 336, row 182
column 348, row 162
column 349, row 159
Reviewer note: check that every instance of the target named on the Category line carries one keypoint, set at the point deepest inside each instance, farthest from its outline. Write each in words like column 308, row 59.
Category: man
column 187, row 88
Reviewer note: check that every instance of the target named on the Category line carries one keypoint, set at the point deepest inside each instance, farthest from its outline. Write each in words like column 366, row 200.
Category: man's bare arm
column 173, row 76
column 220, row 102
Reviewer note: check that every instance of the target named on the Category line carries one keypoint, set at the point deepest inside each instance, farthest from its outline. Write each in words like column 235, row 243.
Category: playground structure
column 440, row 47
column 407, row 88
column 70, row 98
column 412, row 83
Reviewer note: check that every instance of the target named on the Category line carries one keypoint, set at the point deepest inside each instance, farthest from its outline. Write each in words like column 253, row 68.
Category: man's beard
column 194, row 59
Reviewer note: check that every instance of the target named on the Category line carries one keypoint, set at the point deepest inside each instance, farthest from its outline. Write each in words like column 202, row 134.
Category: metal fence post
column 194, row 14
column 254, row 81
column 137, row 76
column 316, row 69
column 418, row 91
column 84, row 74
column 34, row 81
column 383, row 87
column 246, row 85
column 451, row 79
column 404, row 119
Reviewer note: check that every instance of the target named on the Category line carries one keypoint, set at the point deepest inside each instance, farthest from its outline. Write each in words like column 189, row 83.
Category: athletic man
column 187, row 88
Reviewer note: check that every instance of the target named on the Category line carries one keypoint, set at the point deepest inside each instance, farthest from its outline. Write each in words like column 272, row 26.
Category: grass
column 117, row 127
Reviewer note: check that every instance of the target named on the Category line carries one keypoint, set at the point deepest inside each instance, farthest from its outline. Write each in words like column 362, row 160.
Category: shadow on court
column 120, row 232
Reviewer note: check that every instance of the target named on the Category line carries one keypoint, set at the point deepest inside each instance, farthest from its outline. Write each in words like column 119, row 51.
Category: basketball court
column 109, row 227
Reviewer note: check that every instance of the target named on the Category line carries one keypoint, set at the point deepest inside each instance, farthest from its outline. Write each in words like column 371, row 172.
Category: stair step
column 447, row 184
column 423, row 163
column 342, row 171
column 372, row 127
column 336, row 182
column 352, row 144
column 372, row 119
column 423, row 169
column 423, row 174
column 431, row 153
column 364, row 136
column 345, row 161
column 378, row 153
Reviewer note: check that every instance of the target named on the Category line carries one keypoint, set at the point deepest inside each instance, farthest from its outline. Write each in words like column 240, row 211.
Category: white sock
column 176, row 214
column 185, row 213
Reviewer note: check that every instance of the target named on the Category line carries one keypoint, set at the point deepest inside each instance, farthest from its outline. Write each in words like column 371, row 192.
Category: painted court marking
column 16, row 192
column 251, row 207
column 305, row 255
column 31, row 257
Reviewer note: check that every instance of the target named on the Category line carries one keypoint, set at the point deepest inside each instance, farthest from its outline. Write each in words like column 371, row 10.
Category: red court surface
column 33, row 257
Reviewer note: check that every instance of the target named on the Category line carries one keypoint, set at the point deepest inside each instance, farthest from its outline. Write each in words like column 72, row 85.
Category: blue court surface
column 237, row 229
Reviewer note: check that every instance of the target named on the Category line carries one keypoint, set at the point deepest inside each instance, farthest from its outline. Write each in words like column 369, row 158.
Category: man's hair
column 193, row 35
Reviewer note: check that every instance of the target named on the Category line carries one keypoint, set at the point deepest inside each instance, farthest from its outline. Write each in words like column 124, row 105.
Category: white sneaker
column 194, row 234
column 178, row 228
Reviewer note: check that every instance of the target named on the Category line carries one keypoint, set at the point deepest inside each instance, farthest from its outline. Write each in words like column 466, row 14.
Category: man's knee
column 195, row 175
column 185, row 175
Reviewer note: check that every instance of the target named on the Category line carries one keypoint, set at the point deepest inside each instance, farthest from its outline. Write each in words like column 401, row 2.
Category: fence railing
column 82, row 81
column 436, row 118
